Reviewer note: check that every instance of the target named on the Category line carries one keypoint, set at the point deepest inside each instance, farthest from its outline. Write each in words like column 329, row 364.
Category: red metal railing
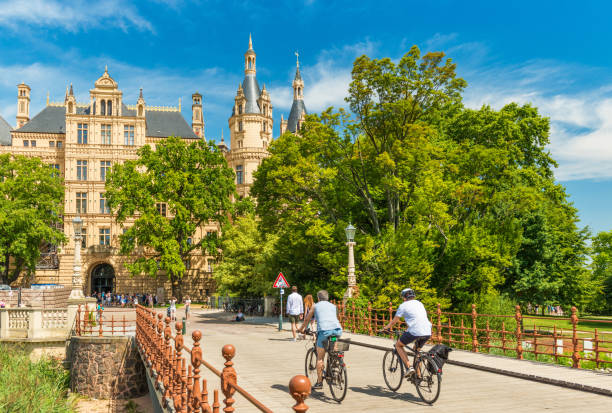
column 182, row 386
column 515, row 335
column 97, row 323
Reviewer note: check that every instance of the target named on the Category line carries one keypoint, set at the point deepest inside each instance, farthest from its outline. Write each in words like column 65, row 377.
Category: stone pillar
column 4, row 323
column 269, row 306
column 77, row 281
column 351, row 280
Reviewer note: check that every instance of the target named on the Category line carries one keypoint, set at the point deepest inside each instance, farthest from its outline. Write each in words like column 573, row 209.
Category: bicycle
column 427, row 377
column 334, row 372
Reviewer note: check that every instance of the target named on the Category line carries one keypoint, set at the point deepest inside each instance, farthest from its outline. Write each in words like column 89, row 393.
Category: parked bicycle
column 334, row 371
column 427, row 376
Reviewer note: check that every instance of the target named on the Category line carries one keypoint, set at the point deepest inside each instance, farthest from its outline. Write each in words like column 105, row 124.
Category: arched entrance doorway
column 103, row 278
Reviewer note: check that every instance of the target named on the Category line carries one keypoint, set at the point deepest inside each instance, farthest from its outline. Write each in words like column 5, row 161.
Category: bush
column 33, row 387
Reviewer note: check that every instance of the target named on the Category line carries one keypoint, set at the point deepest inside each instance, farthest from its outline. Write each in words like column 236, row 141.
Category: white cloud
column 72, row 16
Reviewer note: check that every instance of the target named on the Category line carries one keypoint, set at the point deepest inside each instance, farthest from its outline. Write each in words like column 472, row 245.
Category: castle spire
column 250, row 42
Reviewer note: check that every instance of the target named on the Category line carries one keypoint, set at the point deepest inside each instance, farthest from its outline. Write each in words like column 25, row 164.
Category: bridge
column 265, row 360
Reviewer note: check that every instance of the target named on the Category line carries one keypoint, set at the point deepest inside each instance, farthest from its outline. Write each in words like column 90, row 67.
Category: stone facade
column 106, row 368
column 82, row 141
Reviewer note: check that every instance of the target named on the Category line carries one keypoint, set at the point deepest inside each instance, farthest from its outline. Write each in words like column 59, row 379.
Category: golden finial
column 179, row 104
column 47, row 98
column 297, row 59
column 250, row 42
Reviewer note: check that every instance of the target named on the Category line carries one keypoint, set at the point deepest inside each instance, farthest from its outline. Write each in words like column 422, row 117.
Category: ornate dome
column 105, row 81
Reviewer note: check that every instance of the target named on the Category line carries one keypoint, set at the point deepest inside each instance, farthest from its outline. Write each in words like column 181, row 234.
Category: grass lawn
column 588, row 325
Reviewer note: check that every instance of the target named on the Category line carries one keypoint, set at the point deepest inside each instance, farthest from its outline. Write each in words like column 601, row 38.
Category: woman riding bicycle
column 328, row 325
column 419, row 327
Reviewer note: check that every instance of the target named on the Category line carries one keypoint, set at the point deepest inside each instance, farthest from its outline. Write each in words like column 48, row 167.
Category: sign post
column 280, row 283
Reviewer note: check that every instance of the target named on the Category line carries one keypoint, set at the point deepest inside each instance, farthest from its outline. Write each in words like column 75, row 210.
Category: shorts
column 325, row 334
column 408, row 338
column 294, row 318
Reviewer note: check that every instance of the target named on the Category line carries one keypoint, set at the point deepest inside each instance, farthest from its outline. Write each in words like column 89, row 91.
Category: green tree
column 601, row 265
column 245, row 269
column 195, row 184
column 31, row 208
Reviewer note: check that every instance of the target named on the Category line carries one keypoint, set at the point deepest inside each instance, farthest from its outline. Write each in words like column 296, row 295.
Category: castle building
column 250, row 126
column 298, row 112
column 82, row 141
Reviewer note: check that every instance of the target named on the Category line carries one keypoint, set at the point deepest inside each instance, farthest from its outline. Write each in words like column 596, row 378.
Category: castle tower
column 250, row 125
column 197, row 118
column 23, row 104
column 298, row 108
column 141, row 106
column 70, row 101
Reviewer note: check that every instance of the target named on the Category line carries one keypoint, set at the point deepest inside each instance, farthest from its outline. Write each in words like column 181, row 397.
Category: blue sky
column 553, row 54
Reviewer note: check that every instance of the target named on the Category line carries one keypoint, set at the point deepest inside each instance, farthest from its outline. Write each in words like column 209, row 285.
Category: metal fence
column 518, row 335
column 180, row 382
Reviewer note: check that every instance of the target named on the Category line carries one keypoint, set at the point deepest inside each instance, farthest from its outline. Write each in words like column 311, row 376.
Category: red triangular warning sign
column 280, row 281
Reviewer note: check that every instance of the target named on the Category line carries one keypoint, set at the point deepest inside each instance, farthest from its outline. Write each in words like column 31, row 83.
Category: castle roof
column 251, row 92
column 297, row 109
column 5, row 133
column 160, row 124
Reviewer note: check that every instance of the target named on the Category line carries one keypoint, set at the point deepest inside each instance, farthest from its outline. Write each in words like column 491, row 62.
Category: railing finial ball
column 178, row 326
column 228, row 352
column 196, row 335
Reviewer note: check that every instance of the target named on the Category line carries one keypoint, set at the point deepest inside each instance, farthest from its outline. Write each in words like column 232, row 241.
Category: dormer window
column 109, row 108
column 240, row 109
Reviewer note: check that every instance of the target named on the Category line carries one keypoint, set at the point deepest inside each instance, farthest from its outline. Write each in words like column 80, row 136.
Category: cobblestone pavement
column 266, row 360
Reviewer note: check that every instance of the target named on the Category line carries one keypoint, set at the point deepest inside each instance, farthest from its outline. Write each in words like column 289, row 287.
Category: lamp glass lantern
column 350, row 232
column 77, row 224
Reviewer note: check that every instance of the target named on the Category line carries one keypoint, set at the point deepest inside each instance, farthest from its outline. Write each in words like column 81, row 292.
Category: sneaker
column 294, row 339
column 317, row 386
column 409, row 373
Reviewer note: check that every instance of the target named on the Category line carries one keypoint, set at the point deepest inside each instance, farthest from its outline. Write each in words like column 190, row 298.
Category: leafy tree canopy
column 195, row 184
column 31, row 208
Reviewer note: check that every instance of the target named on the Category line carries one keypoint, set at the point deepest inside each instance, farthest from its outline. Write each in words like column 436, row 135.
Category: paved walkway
column 266, row 360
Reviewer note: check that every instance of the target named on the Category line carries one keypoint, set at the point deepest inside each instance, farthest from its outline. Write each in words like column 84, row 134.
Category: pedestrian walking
column 308, row 305
column 173, row 309
column 295, row 309
column 187, row 302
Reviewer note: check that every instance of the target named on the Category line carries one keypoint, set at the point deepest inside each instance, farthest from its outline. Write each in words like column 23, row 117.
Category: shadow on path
column 380, row 391
column 315, row 394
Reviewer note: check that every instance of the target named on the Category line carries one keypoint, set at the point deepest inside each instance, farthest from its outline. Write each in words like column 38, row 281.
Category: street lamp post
column 77, row 284
column 352, row 282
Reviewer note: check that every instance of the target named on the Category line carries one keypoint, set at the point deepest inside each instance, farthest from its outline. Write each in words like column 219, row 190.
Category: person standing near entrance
column 295, row 309
column 187, row 302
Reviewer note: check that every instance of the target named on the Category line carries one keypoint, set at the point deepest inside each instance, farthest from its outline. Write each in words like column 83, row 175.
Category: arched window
column 140, row 110
column 102, row 108
column 70, row 107
column 240, row 109
column 109, row 108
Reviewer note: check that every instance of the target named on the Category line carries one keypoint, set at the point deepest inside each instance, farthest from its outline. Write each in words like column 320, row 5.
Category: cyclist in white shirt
column 419, row 327
column 295, row 309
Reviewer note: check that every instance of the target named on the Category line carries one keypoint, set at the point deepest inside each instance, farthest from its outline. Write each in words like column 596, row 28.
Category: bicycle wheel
column 427, row 379
column 393, row 370
column 337, row 379
column 311, row 366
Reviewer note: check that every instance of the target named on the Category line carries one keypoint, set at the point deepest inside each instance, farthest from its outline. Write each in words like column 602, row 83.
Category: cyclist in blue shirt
column 328, row 325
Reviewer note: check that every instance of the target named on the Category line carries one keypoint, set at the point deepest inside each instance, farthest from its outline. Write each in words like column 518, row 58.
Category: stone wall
column 106, row 367
column 50, row 298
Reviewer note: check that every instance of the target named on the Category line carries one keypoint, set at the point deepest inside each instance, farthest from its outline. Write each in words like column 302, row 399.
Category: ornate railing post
column 100, row 315
column 196, row 361
column 78, row 320
column 228, row 375
column 178, row 378
column 575, row 354
column 160, row 351
column 519, row 347
column 474, row 330
column 370, row 331
column 439, row 326
column 167, row 367
column 299, row 389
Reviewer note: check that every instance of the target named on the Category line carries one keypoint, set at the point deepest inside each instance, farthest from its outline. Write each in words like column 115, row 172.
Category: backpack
column 439, row 353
